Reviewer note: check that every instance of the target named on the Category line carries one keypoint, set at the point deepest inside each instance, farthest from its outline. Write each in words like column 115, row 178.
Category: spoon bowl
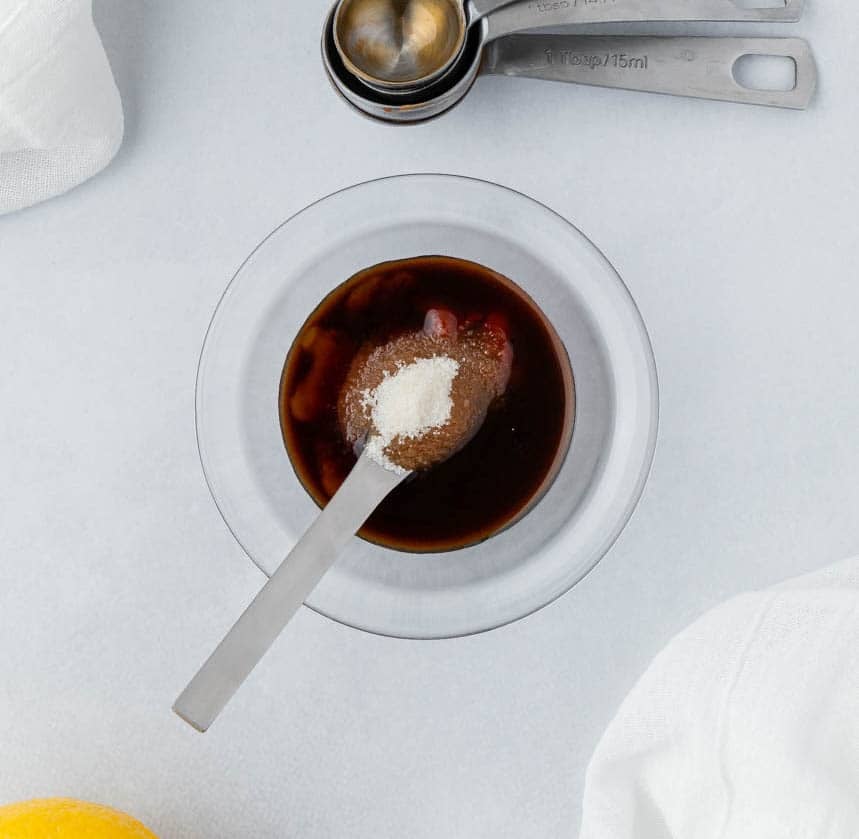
column 397, row 44
column 403, row 105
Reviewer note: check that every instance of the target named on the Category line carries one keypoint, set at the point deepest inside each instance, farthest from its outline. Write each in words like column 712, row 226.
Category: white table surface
column 735, row 229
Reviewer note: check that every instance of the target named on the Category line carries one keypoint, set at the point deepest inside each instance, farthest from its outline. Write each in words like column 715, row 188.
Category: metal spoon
column 408, row 44
column 365, row 487
column 696, row 67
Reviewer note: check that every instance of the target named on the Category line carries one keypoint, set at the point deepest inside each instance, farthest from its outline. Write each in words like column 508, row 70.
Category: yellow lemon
column 65, row 818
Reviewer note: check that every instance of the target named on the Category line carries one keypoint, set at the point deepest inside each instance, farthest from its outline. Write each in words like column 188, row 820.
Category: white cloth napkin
column 60, row 112
column 746, row 726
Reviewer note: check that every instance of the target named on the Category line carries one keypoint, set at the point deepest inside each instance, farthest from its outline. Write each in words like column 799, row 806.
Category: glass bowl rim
column 649, row 452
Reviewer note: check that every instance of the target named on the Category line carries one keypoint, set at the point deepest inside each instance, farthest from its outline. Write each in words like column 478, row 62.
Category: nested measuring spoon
column 395, row 45
column 696, row 67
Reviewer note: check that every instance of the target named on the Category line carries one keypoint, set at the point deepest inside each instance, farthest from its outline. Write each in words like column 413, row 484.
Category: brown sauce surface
column 490, row 482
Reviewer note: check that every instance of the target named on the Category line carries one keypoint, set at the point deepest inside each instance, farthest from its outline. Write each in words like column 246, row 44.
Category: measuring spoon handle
column 701, row 68
column 280, row 598
column 505, row 18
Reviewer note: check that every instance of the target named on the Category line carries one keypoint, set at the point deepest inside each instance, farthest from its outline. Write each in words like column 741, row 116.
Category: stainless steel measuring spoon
column 226, row 669
column 393, row 45
column 697, row 67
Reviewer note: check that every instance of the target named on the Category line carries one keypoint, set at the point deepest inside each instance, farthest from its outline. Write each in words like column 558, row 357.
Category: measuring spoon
column 365, row 487
column 408, row 44
column 696, row 67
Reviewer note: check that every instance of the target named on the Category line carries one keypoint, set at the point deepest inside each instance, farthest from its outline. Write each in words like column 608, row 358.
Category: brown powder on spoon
column 416, row 400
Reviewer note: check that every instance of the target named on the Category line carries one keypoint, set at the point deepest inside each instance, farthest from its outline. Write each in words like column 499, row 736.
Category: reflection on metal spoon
column 396, row 43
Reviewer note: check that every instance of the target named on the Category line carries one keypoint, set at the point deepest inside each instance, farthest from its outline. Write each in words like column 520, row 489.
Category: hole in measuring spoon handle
column 765, row 72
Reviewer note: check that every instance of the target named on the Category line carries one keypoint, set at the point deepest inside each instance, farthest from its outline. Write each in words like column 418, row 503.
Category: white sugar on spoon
column 409, row 403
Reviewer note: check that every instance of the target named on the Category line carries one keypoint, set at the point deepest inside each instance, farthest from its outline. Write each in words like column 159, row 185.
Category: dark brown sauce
column 495, row 478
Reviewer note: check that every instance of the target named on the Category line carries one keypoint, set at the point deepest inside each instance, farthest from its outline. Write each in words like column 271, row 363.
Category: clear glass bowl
column 525, row 566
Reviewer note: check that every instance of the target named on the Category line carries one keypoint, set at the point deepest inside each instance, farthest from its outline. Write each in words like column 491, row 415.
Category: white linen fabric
column 60, row 112
column 746, row 726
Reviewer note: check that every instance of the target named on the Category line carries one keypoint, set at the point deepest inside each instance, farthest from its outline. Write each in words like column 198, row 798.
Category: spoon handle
column 701, row 68
column 507, row 17
column 280, row 598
